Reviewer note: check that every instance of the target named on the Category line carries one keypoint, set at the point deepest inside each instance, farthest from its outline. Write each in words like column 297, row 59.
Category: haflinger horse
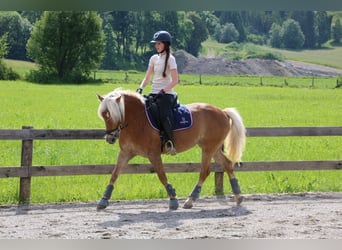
column 123, row 112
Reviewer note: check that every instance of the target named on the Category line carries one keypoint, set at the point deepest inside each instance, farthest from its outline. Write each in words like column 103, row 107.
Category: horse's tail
column 236, row 138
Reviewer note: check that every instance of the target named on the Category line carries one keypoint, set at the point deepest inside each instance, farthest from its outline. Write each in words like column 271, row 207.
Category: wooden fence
column 28, row 134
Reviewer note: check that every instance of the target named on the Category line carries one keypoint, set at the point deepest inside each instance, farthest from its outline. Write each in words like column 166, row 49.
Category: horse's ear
column 100, row 97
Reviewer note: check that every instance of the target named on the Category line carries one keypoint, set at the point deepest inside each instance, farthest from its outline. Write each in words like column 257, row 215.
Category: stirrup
column 169, row 149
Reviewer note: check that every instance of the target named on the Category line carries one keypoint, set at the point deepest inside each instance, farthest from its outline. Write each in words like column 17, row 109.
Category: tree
column 323, row 27
column 306, row 20
column 235, row 18
column 198, row 35
column 18, row 30
column 6, row 73
column 337, row 31
column 293, row 37
column 109, row 58
column 210, row 20
column 67, row 44
column 31, row 15
column 275, row 36
column 125, row 29
column 227, row 33
column 3, row 46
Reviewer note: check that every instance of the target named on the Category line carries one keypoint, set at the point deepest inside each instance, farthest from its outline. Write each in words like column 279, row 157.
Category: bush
column 256, row 39
column 234, row 46
column 7, row 73
column 40, row 77
column 253, row 51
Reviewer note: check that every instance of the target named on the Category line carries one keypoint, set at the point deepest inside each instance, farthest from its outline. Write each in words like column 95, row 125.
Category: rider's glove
column 139, row 90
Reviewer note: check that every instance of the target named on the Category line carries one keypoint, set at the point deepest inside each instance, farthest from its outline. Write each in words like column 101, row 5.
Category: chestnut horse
column 123, row 112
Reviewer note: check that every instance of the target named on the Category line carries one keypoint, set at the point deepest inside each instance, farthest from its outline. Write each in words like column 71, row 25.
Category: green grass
column 21, row 67
column 75, row 107
column 134, row 77
column 325, row 56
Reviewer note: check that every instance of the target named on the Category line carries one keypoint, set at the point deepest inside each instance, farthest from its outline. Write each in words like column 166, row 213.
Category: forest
column 121, row 39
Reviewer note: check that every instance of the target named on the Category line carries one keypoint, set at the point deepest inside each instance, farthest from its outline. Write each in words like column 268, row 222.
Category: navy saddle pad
column 181, row 114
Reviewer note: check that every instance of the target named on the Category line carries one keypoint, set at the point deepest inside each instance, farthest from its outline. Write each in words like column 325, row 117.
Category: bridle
column 115, row 133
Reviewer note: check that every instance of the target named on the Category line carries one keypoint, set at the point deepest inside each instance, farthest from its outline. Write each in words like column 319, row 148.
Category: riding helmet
column 161, row 36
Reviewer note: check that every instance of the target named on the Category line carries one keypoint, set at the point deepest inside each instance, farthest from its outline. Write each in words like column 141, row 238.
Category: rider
column 164, row 68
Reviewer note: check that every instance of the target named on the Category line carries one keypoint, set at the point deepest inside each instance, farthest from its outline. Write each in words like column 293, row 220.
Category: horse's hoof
column 188, row 204
column 173, row 204
column 239, row 199
column 103, row 203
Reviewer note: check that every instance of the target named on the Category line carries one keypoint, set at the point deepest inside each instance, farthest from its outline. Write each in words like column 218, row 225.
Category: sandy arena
column 296, row 216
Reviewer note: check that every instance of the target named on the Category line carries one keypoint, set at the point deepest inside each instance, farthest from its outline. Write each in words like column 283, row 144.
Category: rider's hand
column 161, row 93
column 139, row 90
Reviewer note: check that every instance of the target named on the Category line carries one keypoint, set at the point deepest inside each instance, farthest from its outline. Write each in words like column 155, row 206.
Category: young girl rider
column 163, row 67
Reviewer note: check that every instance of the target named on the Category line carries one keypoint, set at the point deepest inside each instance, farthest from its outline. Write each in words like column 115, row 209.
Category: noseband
column 115, row 132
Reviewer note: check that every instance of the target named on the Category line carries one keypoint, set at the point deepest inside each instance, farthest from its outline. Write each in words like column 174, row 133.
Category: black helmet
column 161, row 36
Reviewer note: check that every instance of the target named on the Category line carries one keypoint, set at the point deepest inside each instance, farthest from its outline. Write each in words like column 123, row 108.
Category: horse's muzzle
column 110, row 139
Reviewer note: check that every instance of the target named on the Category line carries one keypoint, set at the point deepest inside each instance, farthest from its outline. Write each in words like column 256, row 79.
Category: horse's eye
column 106, row 115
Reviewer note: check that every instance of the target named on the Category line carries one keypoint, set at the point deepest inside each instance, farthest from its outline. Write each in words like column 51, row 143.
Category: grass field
column 133, row 77
column 75, row 107
column 325, row 56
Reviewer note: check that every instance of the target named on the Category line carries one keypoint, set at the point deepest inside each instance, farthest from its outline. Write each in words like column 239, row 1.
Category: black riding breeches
column 165, row 104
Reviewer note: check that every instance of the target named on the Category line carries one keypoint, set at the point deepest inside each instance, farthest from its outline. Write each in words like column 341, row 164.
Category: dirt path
column 301, row 216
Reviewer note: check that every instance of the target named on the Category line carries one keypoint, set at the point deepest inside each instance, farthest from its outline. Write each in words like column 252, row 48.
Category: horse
column 220, row 133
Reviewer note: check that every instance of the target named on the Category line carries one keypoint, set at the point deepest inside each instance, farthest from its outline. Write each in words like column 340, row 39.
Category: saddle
column 182, row 118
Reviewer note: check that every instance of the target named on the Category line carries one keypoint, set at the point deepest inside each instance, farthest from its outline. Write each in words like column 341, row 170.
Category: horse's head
column 111, row 111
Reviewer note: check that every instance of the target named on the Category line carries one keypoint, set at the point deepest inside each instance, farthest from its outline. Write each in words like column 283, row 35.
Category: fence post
column 26, row 163
column 219, row 183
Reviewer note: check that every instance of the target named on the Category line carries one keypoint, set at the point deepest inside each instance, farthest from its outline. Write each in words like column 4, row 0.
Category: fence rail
column 27, row 135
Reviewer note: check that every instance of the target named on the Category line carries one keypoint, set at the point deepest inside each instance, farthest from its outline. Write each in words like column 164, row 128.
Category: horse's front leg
column 122, row 161
column 156, row 161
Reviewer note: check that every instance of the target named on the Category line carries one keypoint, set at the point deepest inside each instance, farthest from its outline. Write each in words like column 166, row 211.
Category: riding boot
column 168, row 147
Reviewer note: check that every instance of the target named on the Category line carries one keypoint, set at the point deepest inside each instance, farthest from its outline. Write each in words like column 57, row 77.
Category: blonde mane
column 114, row 103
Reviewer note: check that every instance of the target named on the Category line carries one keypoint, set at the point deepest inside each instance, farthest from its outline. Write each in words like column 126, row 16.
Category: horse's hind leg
column 205, row 171
column 221, row 159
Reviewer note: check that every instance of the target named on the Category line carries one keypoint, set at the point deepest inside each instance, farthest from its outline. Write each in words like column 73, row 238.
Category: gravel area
column 276, row 216
column 255, row 66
